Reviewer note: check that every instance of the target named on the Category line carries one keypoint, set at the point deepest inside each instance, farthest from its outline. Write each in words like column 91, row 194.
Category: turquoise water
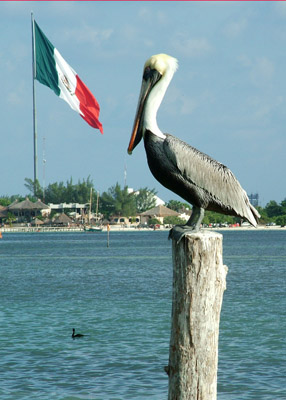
column 120, row 298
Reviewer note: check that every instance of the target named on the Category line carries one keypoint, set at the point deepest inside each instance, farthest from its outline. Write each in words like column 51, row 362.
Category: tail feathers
column 253, row 215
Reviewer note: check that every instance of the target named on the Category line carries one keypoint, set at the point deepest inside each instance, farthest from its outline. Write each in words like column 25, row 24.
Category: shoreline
column 26, row 229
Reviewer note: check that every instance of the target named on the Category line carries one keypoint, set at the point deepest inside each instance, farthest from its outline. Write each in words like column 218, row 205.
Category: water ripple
column 120, row 298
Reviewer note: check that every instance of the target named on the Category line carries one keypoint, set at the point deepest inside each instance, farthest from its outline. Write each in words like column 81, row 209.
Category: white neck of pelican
column 153, row 103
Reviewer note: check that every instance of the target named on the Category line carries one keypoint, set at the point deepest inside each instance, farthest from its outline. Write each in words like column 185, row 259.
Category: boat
column 93, row 228
column 90, row 228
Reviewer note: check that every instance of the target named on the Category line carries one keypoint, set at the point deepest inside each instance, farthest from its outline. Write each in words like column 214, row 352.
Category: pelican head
column 157, row 74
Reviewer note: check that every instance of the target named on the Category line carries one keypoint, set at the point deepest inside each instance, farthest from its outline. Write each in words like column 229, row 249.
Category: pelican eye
column 147, row 73
column 152, row 75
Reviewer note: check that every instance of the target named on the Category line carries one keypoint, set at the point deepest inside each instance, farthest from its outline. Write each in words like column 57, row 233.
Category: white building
column 76, row 209
column 159, row 202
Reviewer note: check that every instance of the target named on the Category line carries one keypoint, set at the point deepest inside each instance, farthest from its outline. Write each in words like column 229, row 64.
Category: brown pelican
column 191, row 174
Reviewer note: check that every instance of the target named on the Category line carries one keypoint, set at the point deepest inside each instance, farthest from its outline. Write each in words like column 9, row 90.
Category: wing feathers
column 211, row 176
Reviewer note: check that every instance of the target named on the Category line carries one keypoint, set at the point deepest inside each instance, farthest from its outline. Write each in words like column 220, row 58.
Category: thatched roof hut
column 40, row 205
column 22, row 205
column 159, row 212
column 37, row 222
column 62, row 220
column 27, row 204
column 26, row 209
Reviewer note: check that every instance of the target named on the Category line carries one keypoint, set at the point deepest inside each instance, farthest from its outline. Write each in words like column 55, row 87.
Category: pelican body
column 196, row 177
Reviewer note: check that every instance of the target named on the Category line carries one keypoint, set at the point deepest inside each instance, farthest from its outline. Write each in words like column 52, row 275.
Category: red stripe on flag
column 88, row 105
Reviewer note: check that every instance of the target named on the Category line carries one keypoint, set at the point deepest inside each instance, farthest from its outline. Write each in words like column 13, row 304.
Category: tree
column 283, row 205
column 34, row 188
column 177, row 205
column 10, row 218
column 281, row 220
column 58, row 192
column 5, row 201
column 264, row 217
column 273, row 209
column 117, row 201
column 81, row 192
column 55, row 193
column 212, row 217
column 154, row 221
column 173, row 220
column 145, row 199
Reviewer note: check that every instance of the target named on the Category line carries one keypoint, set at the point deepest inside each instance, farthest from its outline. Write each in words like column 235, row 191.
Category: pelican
column 196, row 177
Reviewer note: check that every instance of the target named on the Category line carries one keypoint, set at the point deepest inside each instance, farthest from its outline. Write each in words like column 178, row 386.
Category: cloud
column 262, row 69
column 16, row 95
column 162, row 17
column 150, row 16
column 262, row 108
column 177, row 102
column 244, row 60
column 191, row 47
column 14, row 98
column 188, row 105
column 14, row 60
column 235, row 28
column 88, row 34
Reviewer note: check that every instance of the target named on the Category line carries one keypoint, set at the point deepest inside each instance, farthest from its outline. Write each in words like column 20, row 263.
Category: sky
column 227, row 99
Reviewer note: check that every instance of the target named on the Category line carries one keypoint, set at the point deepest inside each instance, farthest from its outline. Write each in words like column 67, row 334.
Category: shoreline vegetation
column 73, row 204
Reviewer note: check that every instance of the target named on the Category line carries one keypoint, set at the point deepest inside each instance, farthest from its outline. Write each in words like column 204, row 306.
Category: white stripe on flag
column 67, row 81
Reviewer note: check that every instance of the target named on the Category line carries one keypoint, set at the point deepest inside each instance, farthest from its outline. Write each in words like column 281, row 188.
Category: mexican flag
column 53, row 71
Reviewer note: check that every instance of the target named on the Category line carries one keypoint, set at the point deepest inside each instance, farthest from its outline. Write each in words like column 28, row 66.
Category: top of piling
column 204, row 234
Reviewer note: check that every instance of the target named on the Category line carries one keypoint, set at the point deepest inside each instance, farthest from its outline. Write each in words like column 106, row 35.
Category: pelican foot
column 179, row 231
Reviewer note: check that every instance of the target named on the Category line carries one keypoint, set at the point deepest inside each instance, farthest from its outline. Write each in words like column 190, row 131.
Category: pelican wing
column 209, row 175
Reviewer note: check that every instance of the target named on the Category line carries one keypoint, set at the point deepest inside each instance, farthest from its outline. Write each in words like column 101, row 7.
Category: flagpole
column 35, row 136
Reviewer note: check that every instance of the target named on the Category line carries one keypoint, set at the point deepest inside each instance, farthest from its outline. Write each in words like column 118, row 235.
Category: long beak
column 136, row 135
column 150, row 78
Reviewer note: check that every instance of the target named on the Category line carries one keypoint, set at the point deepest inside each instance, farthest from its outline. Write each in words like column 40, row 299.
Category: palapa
column 27, row 204
column 62, row 219
column 160, row 211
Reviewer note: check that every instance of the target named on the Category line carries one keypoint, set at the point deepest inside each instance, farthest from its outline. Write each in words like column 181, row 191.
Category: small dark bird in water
column 75, row 336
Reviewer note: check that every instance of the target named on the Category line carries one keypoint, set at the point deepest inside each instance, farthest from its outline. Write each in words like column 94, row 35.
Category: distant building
column 123, row 221
column 27, row 210
column 62, row 220
column 254, row 199
column 158, row 212
column 159, row 202
column 76, row 208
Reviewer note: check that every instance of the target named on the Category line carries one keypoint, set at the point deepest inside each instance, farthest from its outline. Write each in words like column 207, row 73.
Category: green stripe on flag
column 46, row 71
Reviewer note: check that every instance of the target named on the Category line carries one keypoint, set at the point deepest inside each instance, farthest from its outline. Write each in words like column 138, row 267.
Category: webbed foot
column 192, row 226
column 179, row 231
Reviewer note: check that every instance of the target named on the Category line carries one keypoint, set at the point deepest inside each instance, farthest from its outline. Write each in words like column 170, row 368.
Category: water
column 120, row 298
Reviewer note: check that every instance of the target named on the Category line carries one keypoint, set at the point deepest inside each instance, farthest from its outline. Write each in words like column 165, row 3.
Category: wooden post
column 108, row 230
column 199, row 280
